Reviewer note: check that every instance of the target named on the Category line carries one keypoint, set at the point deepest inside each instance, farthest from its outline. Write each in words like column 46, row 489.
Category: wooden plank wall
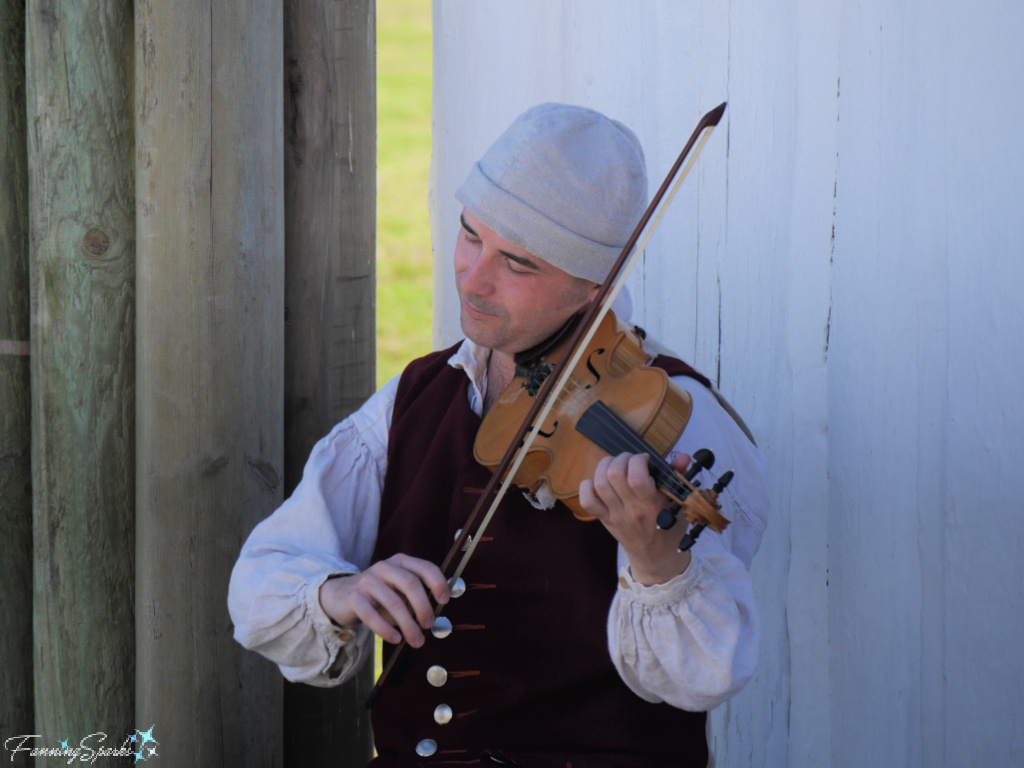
column 210, row 364
column 158, row 444
column 16, row 697
column 846, row 264
column 330, row 351
column 924, row 388
column 82, row 266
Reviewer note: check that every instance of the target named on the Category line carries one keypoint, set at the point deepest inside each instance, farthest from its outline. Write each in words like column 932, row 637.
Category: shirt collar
column 472, row 358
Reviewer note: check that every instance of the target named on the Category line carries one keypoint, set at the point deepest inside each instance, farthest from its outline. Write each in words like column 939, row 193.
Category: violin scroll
column 700, row 507
column 701, row 459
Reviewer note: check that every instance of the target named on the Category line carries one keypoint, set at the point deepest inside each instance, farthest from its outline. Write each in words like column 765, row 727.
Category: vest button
column 442, row 714
column 437, row 675
column 442, row 628
column 458, row 589
column 426, row 748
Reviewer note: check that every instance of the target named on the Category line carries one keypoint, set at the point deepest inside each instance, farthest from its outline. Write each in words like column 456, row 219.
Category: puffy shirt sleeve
column 693, row 641
column 327, row 527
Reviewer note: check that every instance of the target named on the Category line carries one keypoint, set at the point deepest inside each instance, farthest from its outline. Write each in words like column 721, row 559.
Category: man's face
column 510, row 299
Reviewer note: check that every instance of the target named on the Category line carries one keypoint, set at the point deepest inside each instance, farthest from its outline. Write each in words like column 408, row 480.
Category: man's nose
column 477, row 277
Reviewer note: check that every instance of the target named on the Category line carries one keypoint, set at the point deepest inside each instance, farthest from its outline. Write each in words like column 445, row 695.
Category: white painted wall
column 846, row 262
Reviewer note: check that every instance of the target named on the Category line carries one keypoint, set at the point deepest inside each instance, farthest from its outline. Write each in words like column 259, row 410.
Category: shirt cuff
column 344, row 644
column 672, row 591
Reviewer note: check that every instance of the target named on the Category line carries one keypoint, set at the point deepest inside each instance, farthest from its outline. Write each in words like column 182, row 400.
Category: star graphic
column 152, row 752
column 133, row 738
column 64, row 744
column 138, row 756
column 147, row 736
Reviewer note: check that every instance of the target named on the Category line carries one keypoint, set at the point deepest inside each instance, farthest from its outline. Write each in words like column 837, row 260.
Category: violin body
column 613, row 371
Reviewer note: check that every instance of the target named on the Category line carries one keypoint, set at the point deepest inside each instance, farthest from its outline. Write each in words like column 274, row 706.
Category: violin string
column 610, row 431
column 624, row 438
column 631, row 440
column 619, row 435
column 572, row 393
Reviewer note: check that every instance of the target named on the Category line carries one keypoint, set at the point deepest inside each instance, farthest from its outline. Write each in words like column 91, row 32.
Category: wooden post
column 210, row 373
column 330, row 196
column 82, row 224
column 15, row 430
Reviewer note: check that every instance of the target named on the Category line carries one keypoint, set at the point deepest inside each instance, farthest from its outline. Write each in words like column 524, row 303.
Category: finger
column 370, row 614
column 347, row 600
column 407, row 583
column 638, row 476
column 381, row 598
column 680, row 462
column 590, row 502
column 606, row 477
column 429, row 574
column 630, row 479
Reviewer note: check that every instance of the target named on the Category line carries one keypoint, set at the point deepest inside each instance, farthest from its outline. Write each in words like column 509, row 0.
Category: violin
column 613, row 402
column 598, row 358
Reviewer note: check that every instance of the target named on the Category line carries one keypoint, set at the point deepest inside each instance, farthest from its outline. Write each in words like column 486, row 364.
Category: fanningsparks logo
column 89, row 749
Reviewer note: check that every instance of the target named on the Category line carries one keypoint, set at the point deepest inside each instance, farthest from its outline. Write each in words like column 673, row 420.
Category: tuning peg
column 667, row 517
column 723, row 481
column 691, row 537
column 701, row 459
column 695, row 530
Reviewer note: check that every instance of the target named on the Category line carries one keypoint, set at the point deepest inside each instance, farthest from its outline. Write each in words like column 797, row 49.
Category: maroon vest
column 529, row 677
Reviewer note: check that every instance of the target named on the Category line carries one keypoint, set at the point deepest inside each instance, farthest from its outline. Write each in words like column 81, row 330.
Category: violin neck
column 603, row 426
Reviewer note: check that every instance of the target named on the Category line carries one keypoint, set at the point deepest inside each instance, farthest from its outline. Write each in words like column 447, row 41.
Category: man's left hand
column 623, row 496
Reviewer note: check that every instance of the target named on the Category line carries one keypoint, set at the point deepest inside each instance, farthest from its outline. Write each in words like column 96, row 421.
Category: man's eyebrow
column 520, row 260
column 465, row 226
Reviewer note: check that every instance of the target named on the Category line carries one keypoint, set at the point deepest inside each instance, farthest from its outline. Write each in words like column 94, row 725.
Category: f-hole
column 592, row 369
column 554, row 428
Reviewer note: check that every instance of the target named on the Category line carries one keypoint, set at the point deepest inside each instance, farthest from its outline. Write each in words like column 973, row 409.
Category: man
column 569, row 643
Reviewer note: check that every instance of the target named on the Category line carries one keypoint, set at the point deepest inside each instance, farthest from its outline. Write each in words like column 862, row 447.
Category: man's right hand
column 390, row 597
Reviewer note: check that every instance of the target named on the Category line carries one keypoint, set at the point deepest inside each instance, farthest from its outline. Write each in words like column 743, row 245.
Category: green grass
column 404, row 268
column 404, row 260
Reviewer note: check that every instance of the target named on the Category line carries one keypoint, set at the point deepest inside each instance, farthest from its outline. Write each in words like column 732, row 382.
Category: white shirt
column 691, row 642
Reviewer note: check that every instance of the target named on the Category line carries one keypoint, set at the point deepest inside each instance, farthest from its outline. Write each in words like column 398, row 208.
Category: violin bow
column 553, row 385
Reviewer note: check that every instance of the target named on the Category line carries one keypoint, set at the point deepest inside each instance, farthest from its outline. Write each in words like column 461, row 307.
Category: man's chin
column 472, row 331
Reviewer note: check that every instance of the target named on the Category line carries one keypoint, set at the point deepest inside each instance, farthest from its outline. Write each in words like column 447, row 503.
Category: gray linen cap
column 566, row 183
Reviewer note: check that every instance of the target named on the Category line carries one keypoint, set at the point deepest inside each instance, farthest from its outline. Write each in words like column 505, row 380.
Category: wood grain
column 330, row 197
column 79, row 76
column 211, row 285
column 16, row 696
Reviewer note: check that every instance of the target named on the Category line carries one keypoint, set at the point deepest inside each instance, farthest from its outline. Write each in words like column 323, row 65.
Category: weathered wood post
column 82, row 225
column 15, row 423
column 330, row 194
column 210, row 374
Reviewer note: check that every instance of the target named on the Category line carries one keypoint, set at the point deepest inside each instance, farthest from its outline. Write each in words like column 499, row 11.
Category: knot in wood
column 95, row 243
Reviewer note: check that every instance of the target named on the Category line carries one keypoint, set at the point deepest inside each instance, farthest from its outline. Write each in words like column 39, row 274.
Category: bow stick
column 553, row 385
